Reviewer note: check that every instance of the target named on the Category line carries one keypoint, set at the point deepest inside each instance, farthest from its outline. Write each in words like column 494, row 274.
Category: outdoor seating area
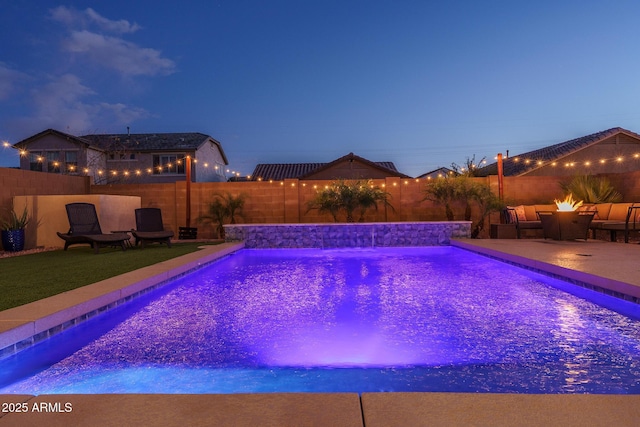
column 84, row 228
column 609, row 217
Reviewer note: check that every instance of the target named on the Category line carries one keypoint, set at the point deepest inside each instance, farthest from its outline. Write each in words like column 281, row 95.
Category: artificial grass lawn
column 29, row 278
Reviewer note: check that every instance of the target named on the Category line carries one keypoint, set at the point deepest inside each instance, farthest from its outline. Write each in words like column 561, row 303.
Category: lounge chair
column 150, row 228
column 84, row 228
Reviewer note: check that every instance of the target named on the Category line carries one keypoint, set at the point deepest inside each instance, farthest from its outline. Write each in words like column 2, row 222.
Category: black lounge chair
column 150, row 228
column 84, row 228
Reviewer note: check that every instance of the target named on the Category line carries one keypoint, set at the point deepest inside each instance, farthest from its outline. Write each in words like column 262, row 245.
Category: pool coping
column 548, row 257
column 28, row 324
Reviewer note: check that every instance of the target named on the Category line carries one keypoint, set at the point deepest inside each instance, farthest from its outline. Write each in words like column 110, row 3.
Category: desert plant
column 591, row 189
column 13, row 221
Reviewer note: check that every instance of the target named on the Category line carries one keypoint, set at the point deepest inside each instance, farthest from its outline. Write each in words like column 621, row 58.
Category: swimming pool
column 359, row 320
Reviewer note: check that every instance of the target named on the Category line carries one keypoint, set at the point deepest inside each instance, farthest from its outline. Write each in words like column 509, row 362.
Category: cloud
column 9, row 78
column 58, row 104
column 124, row 114
column 118, row 54
column 122, row 26
column 72, row 18
column 89, row 37
column 61, row 104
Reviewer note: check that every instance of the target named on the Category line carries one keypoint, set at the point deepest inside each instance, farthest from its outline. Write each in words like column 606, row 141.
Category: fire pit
column 567, row 223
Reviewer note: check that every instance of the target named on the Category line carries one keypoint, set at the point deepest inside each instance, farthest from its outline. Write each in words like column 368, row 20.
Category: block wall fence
column 286, row 201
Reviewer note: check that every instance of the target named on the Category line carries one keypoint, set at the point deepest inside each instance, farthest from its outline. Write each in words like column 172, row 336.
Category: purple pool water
column 387, row 319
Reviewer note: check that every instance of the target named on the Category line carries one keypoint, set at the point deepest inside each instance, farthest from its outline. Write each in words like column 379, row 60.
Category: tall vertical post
column 500, row 177
column 188, row 202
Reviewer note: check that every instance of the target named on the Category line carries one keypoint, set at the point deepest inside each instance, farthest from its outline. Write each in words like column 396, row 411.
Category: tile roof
column 149, row 141
column 280, row 171
column 518, row 165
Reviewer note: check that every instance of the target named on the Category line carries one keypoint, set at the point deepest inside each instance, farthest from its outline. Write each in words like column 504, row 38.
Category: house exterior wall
column 140, row 170
column 210, row 166
column 49, row 144
column 616, row 154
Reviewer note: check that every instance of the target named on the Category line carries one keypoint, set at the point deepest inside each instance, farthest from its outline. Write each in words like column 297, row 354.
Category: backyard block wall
column 286, row 202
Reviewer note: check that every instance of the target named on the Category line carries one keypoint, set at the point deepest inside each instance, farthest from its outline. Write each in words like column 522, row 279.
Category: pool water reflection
column 391, row 319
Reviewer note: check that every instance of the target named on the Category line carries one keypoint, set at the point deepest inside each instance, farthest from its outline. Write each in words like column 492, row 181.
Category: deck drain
column 583, row 254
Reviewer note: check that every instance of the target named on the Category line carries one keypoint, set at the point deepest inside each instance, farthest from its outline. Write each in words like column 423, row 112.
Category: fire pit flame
column 568, row 204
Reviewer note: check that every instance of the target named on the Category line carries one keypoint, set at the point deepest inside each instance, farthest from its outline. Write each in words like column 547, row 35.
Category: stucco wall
column 49, row 215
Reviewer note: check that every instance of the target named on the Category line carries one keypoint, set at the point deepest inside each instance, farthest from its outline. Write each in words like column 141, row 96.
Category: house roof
column 442, row 171
column 140, row 142
column 78, row 140
column 280, row 171
column 527, row 162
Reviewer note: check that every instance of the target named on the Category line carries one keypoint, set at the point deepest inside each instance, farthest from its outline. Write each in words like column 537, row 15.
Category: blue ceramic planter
column 13, row 240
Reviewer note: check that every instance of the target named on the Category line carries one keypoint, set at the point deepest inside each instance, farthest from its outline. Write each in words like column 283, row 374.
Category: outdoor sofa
column 611, row 217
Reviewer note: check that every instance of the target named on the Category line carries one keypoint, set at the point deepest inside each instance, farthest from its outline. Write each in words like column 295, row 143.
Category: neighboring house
column 140, row 158
column 438, row 173
column 346, row 167
column 614, row 150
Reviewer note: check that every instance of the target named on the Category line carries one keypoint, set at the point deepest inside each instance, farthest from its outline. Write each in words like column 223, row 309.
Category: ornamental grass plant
column 28, row 278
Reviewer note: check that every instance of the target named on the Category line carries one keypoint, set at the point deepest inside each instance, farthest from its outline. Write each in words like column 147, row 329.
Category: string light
column 179, row 161
column 116, row 172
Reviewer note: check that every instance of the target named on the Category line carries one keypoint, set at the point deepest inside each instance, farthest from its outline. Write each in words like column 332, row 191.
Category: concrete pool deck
column 610, row 265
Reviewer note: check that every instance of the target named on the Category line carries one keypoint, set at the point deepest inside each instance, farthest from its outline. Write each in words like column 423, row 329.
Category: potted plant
column 12, row 230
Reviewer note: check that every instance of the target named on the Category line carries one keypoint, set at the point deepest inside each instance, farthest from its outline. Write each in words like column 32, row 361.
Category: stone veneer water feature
column 347, row 235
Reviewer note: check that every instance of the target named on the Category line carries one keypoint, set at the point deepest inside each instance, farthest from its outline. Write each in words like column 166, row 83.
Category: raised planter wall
column 347, row 235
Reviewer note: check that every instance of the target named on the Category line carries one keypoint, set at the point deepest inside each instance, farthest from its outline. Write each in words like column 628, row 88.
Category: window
column 35, row 162
column 122, row 156
column 71, row 160
column 53, row 161
column 168, row 163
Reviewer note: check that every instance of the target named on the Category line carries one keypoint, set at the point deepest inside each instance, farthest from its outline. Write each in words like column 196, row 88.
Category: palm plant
column 464, row 190
column 442, row 191
column 217, row 212
column 369, row 196
column 234, row 204
column 223, row 206
column 348, row 196
column 591, row 189
column 487, row 202
column 326, row 201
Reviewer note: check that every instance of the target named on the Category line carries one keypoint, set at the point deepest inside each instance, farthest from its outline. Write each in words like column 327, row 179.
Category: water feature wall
column 343, row 235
